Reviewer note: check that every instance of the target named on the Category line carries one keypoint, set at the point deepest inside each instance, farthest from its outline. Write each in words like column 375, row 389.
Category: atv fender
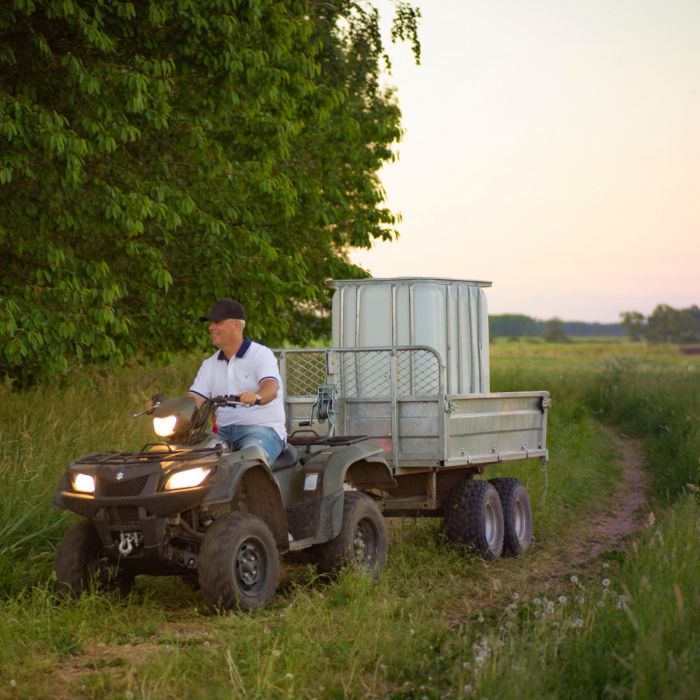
column 362, row 466
column 244, row 481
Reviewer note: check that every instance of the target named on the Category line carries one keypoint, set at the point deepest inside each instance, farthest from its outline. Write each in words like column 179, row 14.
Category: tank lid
column 406, row 280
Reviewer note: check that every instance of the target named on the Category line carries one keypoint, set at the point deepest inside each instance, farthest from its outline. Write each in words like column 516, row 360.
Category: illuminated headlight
column 164, row 427
column 187, row 479
column 83, row 483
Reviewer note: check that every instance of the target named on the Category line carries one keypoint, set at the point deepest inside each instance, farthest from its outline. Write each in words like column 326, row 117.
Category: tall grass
column 435, row 625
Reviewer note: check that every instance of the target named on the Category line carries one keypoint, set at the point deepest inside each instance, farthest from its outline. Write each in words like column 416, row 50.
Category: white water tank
column 450, row 316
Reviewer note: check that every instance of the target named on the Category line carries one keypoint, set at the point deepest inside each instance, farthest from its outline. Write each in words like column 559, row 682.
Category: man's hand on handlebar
column 250, row 398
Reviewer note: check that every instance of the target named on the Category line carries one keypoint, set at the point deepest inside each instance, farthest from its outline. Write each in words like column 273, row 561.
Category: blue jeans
column 241, row 436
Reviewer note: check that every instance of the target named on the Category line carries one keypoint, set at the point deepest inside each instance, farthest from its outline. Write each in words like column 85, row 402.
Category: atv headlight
column 85, row 483
column 187, row 478
column 164, row 427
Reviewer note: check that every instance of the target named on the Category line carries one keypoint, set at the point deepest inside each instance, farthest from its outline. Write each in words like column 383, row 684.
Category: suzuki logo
column 119, row 476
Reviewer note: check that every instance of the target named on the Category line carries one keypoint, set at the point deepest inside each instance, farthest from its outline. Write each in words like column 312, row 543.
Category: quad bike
column 191, row 506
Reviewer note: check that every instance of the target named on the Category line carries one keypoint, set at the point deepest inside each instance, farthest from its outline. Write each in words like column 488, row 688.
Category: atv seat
column 288, row 458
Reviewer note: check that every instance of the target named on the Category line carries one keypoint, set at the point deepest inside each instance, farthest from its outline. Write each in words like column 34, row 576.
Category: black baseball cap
column 223, row 309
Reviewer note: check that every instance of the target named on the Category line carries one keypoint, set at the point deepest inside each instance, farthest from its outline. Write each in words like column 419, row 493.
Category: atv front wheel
column 79, row 564
column 362, row 541
column 238, row 563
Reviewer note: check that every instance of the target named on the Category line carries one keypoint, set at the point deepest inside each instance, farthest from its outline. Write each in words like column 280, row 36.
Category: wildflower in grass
column 605, row 582
column 467, row 689
column 562, row 599
column 574, row 579
column 606, row 565
column 481, row 618
column 537, row 601
column 578, row 622
column 289, row 676
column 538, row 614
column 549, row 607
column 277, row 652
column 479, row 660
column 466, row 664
column 516, row 596
column 621, row 602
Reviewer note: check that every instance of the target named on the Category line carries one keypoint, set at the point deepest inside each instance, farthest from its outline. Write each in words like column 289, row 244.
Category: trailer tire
column 517, row 515
column 79, row 564
column 362, row 542
column 238, row 563
column 474, row 517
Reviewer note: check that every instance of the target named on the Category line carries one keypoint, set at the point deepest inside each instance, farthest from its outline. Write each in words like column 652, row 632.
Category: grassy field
column 436, row 624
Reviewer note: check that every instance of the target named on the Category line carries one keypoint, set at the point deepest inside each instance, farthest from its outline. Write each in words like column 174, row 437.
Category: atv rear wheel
column 517, row 515
column 238, row 563
column 80, row 564
column 362, row 541
column 474, row 517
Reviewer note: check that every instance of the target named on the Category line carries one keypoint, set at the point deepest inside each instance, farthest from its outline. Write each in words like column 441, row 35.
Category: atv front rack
column 146, row 456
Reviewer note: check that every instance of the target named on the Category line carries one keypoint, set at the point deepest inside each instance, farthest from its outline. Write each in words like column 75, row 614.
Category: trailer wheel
column 79, row 564
column 362, row 541
column 517, row 515
column 238, row 563
column 474, row 517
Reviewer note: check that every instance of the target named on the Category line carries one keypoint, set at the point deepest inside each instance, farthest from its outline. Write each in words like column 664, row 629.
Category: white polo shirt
column 220, row 377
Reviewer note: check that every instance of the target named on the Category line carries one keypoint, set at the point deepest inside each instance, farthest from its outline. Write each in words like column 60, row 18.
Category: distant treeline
column 516, row 325
column 664, row 325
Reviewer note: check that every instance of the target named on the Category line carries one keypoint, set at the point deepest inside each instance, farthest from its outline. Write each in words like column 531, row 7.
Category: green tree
column 554, row 331
column 634, row 324
column 669, row 325
column 158, row 154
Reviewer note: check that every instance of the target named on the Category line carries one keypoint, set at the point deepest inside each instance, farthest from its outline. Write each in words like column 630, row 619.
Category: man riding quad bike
column 191, row 506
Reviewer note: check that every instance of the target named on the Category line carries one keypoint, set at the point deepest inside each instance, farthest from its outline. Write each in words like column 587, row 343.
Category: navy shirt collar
column 241, row 351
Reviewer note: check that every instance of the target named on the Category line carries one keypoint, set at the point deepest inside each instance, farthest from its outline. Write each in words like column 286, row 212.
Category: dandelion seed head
column 479, row 659
column 277, row 652
column 562, row 599
column 537, row 601
column 578, row 622
column 573, row 578
column 605, row 582
column 516, row 596
column 481, row 618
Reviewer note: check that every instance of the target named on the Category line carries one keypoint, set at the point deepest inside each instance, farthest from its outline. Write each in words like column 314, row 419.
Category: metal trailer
column 397, row 396
column 409, row 368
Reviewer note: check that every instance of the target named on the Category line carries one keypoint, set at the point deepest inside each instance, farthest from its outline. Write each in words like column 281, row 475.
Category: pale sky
column 553, row 148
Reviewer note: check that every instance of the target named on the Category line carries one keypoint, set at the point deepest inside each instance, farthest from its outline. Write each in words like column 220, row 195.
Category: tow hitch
column 128, row 541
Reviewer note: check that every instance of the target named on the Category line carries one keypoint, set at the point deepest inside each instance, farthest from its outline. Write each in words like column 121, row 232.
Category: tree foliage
column 554, row 331
column 156, row 155
column 669, row 325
